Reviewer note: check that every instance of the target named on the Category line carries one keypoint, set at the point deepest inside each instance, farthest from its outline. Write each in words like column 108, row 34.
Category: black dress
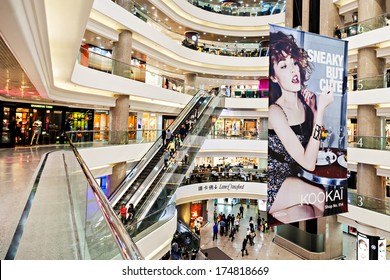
column 280, row 164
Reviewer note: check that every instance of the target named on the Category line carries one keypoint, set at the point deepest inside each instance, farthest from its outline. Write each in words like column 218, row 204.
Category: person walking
column 241, row 211
column 244, row 249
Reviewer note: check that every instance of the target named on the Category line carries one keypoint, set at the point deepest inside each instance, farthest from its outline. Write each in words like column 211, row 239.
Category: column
column 370, row 8
column 189, row 83
column 305, row 15
column 370, row 246
column 289, row 13
column 118, row 174
column 119, row 120
column 122, row 54
column 330, row 18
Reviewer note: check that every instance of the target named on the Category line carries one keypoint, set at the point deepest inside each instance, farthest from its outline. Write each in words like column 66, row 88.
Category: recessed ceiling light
column 84, row 39
column 180, row 26
column 225, row 36
column 204, row 33
column 166, row 19
column 98, row 37
column 153, row 8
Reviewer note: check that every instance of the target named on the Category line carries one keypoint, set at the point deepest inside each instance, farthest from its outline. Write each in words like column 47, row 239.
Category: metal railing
column 100, row 232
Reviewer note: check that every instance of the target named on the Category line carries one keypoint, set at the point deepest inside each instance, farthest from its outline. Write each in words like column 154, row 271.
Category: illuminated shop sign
column 41, row 106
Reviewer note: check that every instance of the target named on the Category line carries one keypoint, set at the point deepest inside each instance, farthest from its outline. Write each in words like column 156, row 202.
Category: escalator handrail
column 115, row 196
column 127, row 247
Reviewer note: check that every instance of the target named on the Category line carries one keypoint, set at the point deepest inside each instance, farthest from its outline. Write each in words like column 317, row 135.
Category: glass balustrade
column 369, row 142
column 363, row 26
column 106, row 136
column 308, row 241
column 370, row 203
column 227, row 48
column 99, row 231
column 204, row 176
column 106, row 64
column 242, row 134
column 141, row 228
column 233, row 8
column 366, row 83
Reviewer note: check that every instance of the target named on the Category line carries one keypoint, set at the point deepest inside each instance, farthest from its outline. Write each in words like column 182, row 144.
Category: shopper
column 123, row 211
column 215, row 231
column 244, row 249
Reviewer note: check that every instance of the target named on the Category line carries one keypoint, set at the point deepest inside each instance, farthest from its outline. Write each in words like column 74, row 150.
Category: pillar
column 370, row 246
column 370, row 8
column 119, row 120
column 368, row 124
column 122, row 54
column 305, row 15
column 189, row 83
column 118, row 174
column 289, row 13
column 330, row 18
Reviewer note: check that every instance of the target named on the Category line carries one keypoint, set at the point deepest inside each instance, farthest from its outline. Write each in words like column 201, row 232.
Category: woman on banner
column 295, row 123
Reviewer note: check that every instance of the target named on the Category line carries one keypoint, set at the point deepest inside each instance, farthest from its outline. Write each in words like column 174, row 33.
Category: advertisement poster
column 307, row 155
column 382, row 249
column 363, row 247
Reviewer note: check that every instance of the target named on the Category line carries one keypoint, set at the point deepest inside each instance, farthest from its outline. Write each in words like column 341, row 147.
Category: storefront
column 236, row 127
column 51, row 121
column 244, row 162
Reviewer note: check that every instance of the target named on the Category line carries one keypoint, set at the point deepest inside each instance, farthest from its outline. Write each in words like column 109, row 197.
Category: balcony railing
column 363, row 26
column 106, row 136
column 366, row 83
column 235, row 9
column 370, row 203
column 109, row 65
column 226, row 48
column 239, row 134
column 369, row 142
column 100, row 233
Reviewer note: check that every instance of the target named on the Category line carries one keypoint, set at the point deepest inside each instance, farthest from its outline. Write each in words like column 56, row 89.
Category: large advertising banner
column 307, row 155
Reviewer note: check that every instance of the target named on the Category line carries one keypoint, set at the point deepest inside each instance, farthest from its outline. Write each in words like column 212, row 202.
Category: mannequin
column 38, row 128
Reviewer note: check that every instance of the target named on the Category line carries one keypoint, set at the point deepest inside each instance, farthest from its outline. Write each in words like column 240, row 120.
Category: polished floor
column 264, row 247
column 47, row 231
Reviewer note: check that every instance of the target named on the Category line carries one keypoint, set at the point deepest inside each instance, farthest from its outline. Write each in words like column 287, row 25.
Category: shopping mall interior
column 91, row 91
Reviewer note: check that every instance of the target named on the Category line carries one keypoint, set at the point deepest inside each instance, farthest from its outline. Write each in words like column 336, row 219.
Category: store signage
column 221, row 186
column 307, row 161
column 41, row 106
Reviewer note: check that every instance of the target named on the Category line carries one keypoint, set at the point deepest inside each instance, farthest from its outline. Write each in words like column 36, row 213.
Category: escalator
column 186, row 238
column 164, row 182
column 147, row 169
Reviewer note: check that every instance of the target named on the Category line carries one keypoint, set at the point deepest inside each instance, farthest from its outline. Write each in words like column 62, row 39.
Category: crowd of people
column 228, row 226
